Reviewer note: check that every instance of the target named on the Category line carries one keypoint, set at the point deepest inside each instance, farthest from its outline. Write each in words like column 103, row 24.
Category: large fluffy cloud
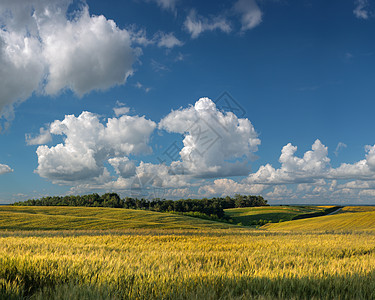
column 5, row 169
column 42, row 50
column 215, row 143
column 89, row 144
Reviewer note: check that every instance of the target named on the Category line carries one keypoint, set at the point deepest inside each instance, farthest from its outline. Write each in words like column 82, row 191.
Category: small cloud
column 165, row 4
column 121, row 109
column 43, row 138
column 168, row 40
column 139, row 85
column 180, row 57
column 196, row 24
column 140, row 37
column 158, row 67
column 160, row 39
column 361, row 11
column 339, row 146
column 251, row 15
column 348, row 55
column 5, row 169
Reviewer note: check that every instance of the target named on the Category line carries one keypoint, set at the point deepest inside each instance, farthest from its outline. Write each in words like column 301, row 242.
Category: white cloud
column 43, row 137
column 216, row 144
column 5, row 169
column 41, row 50
column 196, row 24
column 160, row 38
column 339, row 146
column 88, row 144
column 225, row 187
column 168, row 40
column 363, row 169
column 251, row 15
column 361, row 11
column 314, row 164
column 21, row 69
column 119, row 111
column 87, row 53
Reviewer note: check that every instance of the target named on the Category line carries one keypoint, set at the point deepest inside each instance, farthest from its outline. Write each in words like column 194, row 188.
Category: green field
column 249, row 216
column 126, row 254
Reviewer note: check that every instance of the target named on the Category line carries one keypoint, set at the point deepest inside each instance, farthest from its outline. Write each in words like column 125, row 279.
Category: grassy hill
column 92, row 218
column 348, row 219
column 256, row 215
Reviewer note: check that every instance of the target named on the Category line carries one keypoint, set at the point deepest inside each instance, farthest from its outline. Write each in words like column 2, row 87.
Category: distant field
column 92, row 218
column 350, row 218
column 253, row 215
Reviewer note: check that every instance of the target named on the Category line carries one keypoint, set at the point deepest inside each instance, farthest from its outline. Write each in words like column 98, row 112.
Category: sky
column 188, row 99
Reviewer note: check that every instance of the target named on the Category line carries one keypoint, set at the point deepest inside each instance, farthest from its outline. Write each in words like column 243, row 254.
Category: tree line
column 211, row 207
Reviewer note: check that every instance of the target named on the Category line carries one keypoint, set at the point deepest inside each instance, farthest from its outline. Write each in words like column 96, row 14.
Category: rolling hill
column 350, row 218
column 256, row 215
column 90, row 218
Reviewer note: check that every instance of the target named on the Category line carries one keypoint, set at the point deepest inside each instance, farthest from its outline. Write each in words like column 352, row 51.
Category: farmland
column 256, row 215
column 100, row 253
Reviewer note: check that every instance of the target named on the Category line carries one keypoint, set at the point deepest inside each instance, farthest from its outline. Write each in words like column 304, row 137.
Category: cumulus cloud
column 196, row 24
column 361, row 10
column 148, row 181
column 363, row 169
column 5, row 169
column 225, row 187
column 251, row 15
column 314, row 178
column 215, row 143
column 44, row 51
column 87, row 53
column 88, row 144
column 311, row 166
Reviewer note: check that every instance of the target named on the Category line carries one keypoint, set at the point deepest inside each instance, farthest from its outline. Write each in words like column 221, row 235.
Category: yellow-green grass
column 253, row 215
column 168, row 264
column 90, row 218
column 348, row 209
column 347, row 220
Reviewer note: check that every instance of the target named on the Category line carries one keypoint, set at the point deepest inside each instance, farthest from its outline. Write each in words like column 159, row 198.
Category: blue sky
column 96, row 96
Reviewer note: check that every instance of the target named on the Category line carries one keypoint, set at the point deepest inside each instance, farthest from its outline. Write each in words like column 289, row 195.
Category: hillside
column 72, row 218
column 348, row 219
column 257, row 215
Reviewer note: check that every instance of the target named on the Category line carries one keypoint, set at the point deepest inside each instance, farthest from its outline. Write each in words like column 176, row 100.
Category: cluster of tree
column 210, row 207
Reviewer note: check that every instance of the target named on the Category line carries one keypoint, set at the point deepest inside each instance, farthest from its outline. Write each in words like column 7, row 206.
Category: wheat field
column 189, row 263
